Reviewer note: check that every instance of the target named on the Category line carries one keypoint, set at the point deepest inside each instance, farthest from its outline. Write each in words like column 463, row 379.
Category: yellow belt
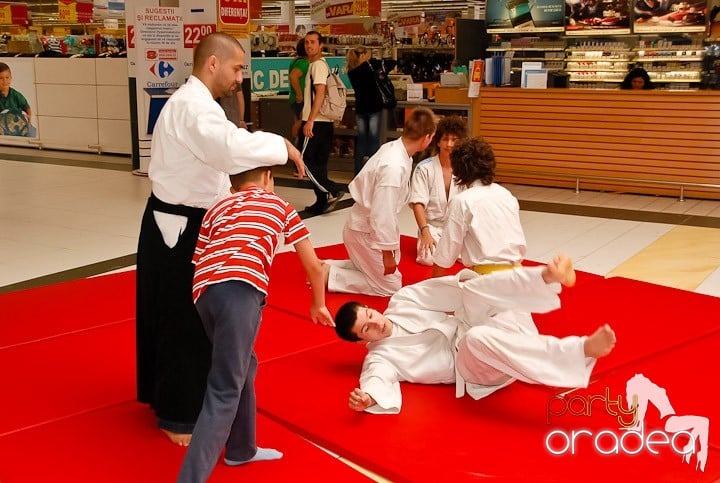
column 490, row 268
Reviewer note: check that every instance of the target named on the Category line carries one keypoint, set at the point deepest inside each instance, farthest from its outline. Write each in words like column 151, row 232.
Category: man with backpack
column 317, row 127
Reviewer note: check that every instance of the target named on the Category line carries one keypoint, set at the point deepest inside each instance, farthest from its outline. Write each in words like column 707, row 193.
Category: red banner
column 74, row 11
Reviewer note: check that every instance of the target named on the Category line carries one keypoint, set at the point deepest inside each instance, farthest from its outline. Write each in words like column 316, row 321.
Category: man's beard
column 231, row 91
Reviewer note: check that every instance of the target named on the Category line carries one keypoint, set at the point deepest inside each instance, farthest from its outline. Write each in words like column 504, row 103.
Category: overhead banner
column 508, row 16
column 72, row 11
column 669, row 16
column 334, row 11
column 597, row 16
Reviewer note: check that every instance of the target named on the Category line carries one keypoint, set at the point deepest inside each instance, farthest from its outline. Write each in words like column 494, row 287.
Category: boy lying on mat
column 472, row 330
column 237, row 242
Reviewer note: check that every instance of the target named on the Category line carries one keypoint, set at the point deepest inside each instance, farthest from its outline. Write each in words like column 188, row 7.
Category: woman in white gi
column 371, row 234
column 433, row 186
column 483, row 222
column 472, row 330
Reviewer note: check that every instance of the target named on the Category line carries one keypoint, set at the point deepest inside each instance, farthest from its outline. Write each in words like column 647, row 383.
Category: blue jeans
column 368, row 138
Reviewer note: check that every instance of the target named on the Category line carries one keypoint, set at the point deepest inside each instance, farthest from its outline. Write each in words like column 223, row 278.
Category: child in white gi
column 471, row 330
column 483, row 222
column 371, row 234
column 433, row 186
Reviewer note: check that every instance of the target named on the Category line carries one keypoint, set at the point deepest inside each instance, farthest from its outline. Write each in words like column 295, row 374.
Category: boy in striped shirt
column 237, row 242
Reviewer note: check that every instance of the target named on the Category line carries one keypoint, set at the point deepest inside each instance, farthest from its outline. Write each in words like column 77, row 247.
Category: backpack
column 333, row 106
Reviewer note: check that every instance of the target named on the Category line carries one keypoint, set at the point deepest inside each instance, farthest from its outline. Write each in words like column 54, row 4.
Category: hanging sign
column 322, row 11
column 14, row 14
column 72, row 11
column 233, row 18
column 5, row 14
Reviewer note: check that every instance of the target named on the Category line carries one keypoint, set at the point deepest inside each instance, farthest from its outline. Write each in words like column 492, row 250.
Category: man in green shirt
column 15, row 111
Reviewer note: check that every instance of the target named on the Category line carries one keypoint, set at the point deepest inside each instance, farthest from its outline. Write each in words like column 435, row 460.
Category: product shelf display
column 529, row 49
column 681, row 65
column 601, row 64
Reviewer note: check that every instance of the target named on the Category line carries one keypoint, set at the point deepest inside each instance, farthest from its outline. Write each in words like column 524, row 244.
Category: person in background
column 368, row 103
column 296, row 73
column 637, row 79
column 193, row 148
column 433, row 186
column 316, row 128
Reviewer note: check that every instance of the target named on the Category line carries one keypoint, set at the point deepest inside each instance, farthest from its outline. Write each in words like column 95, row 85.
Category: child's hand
column 427, row 244
column 321, row 315
column 389, row 262
column 360, row 400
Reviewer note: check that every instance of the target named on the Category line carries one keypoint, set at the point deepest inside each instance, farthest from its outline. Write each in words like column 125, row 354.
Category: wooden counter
column 604, row 140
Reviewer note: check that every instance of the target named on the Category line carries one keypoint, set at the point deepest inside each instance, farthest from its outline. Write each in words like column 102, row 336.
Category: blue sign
column 271, row 73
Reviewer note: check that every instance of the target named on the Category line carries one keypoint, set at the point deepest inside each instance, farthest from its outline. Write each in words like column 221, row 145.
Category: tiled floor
column 65, row 216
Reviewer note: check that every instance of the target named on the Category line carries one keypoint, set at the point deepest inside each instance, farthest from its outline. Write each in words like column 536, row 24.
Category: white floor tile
column 711, row 285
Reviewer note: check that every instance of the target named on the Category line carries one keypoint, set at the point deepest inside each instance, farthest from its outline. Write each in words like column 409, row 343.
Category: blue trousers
column 230, row 312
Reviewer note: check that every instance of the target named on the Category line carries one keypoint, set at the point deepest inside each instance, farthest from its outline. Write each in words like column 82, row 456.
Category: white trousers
column 364, row 272
column 502, row 344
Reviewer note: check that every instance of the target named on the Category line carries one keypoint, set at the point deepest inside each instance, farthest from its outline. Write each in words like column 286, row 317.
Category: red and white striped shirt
column 239, row 236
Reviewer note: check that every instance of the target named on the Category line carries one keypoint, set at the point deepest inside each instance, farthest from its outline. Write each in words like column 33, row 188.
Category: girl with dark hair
column 637, row 79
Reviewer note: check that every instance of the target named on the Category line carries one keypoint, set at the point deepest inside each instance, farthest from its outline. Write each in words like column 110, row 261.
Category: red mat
column 287, row 279
column 121, row 444
column 65, row 375
column 437, row 437
column 282, row 332
column 66, row 307
column 647, row 318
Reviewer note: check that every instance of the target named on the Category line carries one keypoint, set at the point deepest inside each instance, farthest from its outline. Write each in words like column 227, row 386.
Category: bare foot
column 181, row 439
column 600, row 343
column 560, row 270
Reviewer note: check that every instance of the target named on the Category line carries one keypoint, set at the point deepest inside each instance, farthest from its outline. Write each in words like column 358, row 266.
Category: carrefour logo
column 162, row 69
